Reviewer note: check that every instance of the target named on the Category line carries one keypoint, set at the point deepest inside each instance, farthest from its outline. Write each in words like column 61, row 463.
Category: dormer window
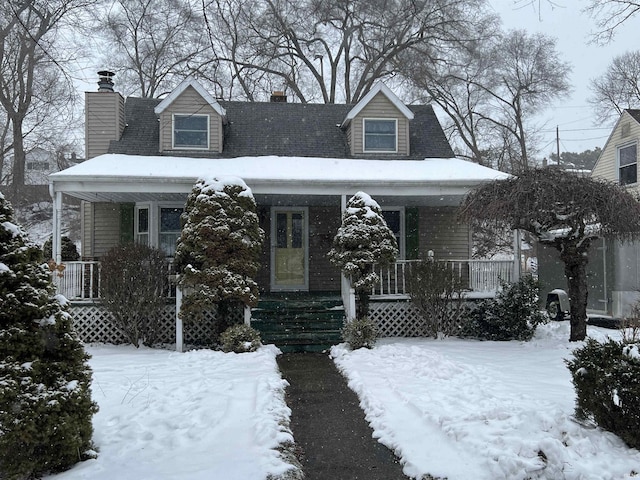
column 380, row 135
column 191, row 131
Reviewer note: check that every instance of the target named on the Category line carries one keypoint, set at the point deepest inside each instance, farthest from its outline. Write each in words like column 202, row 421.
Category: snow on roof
column 274, row 169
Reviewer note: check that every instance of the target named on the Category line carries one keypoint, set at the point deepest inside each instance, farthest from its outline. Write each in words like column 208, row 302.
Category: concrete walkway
column 328, row 424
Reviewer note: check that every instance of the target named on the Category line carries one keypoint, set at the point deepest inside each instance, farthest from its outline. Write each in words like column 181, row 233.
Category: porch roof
column 119, row 177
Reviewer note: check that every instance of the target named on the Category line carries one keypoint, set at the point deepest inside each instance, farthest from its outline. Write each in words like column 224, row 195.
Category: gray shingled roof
column 634, row 113
column 284, row 129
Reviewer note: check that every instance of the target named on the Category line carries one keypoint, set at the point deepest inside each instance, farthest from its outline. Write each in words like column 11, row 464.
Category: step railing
column 483, row 276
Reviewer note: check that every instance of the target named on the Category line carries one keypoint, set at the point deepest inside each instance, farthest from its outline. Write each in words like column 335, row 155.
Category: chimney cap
column 105, row 81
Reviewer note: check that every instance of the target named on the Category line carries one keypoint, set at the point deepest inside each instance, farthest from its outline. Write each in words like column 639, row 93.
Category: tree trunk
column 575, row 269
column 17, row 173
column 362, row 305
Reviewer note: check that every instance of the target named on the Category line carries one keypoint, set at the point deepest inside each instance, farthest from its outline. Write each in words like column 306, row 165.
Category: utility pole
column 558, row 143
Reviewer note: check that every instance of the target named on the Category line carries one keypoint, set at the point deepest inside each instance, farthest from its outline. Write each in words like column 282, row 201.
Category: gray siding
column 101, row 228
column 104, row 121
column 323, row 225
column 440, row 231
column 379, row 107
column 190, row 102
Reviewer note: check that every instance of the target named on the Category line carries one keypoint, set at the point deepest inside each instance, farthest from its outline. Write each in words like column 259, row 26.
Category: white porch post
column 517, row 271
column 347, row 291
column 179, row 327
column 56, row 244
column 247, row 315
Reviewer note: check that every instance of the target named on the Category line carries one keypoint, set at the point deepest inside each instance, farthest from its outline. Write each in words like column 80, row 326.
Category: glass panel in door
column 289, row 250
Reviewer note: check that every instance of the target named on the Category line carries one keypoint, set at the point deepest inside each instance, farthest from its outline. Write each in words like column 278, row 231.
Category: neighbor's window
column 142, row 225
column 169, row 230
column 191, row 131
column 380, row 135
column 628, row 161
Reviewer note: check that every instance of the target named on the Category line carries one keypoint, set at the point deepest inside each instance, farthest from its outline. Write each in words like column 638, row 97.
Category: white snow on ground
column 196, row 415
column 471, row 410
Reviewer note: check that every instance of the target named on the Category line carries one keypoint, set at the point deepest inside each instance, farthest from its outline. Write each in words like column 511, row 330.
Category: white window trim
column 272, row 249
column 402, row 243
column 173, row 131
column 364, row 120
column 154, row 218
column 618, row 166
column 136, row 226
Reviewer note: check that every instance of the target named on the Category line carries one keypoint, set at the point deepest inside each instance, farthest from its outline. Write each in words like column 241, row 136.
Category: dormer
column 190, row 119
column 378, row 125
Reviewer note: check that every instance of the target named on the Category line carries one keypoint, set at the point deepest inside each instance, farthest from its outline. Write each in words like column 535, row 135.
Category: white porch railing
column 78, row 281
column 477, row 275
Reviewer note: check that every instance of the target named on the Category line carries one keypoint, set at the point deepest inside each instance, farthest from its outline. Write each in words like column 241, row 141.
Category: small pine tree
column 363, row 239
column 219, row 249
column 45, row 400
column 69, row 251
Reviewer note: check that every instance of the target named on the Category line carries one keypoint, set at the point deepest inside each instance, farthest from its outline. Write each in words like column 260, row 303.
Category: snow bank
column 197, row 415
column 482, row 410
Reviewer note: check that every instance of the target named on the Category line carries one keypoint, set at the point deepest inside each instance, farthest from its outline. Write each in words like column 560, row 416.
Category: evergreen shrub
column 606, row 377
column 361, row 332
column 69, row 250
column 45, row 398
column 512, row 315
column 240, row 339
column 133, row 289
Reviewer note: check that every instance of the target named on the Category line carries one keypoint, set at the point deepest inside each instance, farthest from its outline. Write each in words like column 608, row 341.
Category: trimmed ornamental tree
column 219, row 249
column 565, row 210
column 45, row 399
column 363, row 239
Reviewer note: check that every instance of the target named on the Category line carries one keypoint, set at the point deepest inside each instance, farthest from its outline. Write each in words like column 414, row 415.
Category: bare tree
column 610, row 15
column 153, row 44
column 618, row 88
column 328, row 50
column 563, row 210
column 492, row 95
column 31, row 80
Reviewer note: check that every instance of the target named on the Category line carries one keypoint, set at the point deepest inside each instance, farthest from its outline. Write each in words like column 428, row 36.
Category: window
column 380, row 135
column 628, row 164
column 191, row 131
column 395, row 221
column 169, row 230
column 37, row 166
column 142, row 225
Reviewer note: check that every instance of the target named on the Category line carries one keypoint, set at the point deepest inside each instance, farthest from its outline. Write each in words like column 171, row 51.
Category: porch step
column 299, row 324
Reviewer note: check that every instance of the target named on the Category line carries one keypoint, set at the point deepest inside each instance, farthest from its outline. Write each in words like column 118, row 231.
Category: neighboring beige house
column 614, row 266
column 302, row 162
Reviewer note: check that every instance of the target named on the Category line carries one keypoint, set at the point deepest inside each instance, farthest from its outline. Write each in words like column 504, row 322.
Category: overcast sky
column 564, row 20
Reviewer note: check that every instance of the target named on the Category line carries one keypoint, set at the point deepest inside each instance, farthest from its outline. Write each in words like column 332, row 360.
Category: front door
column 289, row 244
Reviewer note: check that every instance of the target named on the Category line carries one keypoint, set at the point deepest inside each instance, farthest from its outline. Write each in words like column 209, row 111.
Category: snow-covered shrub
column 133, row 289
column 606, row 377
column 240, row 338
column 438, row 293
column 363, row 239
column 361, row 332
column 218, row 252
column 45, row 400
column 512, row 315
column 69, row 250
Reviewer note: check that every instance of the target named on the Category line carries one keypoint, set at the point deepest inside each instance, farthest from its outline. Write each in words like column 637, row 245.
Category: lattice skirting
column 93, row 323
column 397, row 319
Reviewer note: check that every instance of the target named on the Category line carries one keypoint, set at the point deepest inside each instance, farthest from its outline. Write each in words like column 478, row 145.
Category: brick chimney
column 278, row 96
column 103, row 116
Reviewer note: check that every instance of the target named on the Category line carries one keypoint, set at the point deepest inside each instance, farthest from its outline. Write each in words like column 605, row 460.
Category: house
column 302, row 162
column 614, row 266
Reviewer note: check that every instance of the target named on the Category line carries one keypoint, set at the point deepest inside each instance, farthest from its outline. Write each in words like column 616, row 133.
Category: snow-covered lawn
column 470, row 410
column 197, row 415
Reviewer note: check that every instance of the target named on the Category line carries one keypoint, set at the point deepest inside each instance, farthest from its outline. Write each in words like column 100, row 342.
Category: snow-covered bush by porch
column 45, row 401
column 217, row 255
column 362, row 240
